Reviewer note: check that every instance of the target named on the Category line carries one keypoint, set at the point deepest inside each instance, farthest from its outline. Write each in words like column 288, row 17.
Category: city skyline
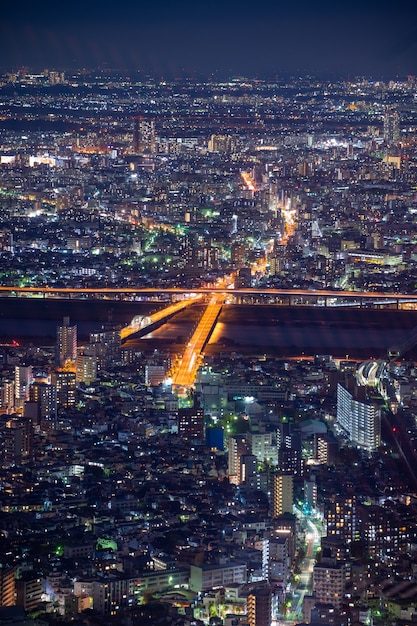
column 185, row 38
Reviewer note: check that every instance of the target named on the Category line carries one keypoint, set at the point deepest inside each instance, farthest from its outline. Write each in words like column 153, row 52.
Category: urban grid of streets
column 280, row 193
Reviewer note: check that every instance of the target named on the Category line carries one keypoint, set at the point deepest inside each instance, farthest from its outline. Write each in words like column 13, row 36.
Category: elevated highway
column 287, row 297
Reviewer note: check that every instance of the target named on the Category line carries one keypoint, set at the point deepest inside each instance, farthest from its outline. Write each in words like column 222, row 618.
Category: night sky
column 183, row 37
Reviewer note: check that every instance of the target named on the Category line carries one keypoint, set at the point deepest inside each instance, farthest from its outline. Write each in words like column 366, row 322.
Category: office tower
column 359, row 415
column 65, row 384
column 23, row 376
column 260, row 607
column 17, row 435
column 283, row 486
column 66, row 342
column 391, row 126
column 191, row 423
column 143, row 135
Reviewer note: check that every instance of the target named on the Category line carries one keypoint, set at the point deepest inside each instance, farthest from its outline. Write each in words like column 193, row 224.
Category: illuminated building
column 191, row 423
column 220, row 143
column 341, row 517
column 237, row 447
column 285, row 527
column 209, row 576
column 237, row 254
column 29, row 590
column 65, row 384
column 7, row 585
column 391, row 126
column 45, row 396
column 359, row 415
column 86, row 368
column 260, row 607
column 329, row 583
column 143, row 135
column 385, row 533
column 23, row 376
column 243, row 278
column 326, row 448
column 106, row 346
column 114, row 592
column 155, row 374
column 248, row 470
column 283, row 498
column 17, row 442
column 7, row 396
column 264, row 446
column 278, row 558
column 66, row 342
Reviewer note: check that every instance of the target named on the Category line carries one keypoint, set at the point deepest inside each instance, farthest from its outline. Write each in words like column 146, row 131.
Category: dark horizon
column 186, row 38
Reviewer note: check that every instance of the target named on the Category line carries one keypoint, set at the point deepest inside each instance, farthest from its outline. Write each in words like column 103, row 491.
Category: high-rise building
column 283, row 498
column 249, row 470
column 66, row 342
column 237, row 446
column 7, row 396
column 105, row 344
column 7, row 585
column 326, row 448
column 86, row 368
column 65, row 385
column 44, row 394
column 17, row 435
column 220, row 143
column 359, row 415
column 23, row 376
column 391, row 126
column 341, row 517
column 143, row 135
column 237, row 254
